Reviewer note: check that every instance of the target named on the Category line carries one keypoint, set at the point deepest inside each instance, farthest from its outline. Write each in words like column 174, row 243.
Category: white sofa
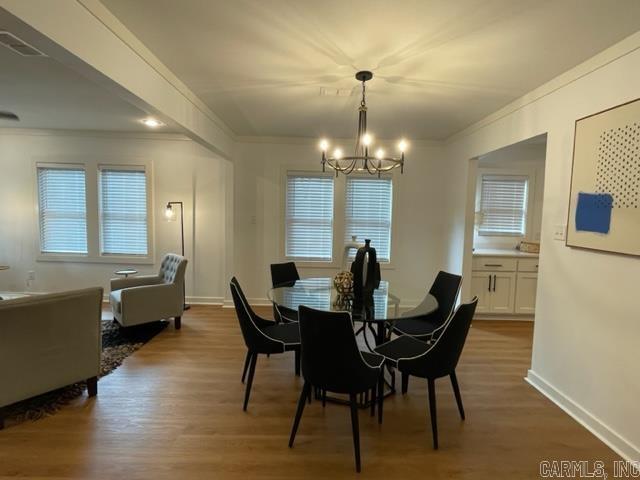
column 48, row 342
column 146, row 298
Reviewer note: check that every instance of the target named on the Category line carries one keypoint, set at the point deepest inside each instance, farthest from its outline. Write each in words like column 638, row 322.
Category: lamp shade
column 169, row 213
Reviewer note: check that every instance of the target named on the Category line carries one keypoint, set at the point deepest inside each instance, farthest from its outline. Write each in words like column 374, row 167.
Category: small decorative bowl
column 343, row 282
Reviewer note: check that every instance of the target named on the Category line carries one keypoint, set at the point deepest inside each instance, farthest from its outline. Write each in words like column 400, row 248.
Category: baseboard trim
column 190, row 300
column 265, row 302
column 205, row 300
column 607, row 435
column 512, row 317
column 260, row 302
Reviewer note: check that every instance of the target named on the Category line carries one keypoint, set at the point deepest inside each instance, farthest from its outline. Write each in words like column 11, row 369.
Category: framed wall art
column 604, row 208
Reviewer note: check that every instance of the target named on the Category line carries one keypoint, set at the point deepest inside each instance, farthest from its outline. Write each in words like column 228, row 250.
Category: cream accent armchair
column 48, row 342
column 146, row 298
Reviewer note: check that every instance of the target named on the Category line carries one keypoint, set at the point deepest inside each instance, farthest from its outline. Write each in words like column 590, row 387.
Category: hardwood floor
column 174, row 411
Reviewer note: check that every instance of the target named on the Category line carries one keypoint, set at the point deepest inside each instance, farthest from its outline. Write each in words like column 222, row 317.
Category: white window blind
column 62, row 209
column 368, row 213
column 315, row 294
column 123, row 211
column 309, row 217
column 503, row 205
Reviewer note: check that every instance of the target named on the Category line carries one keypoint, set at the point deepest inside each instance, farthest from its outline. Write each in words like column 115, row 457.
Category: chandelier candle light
column 362, row 161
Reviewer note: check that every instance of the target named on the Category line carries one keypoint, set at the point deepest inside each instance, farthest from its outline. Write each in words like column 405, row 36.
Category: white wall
column 520, row 159
column 585, row 352
column 418, row 244
column 182, row 171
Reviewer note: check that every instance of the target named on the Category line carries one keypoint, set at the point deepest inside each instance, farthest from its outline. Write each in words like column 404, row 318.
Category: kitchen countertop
column 503, row 252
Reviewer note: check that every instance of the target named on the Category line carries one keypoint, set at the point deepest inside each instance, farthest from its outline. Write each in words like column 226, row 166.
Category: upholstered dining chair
column 262, row 336
column 284, row 274
column 146, row 298
column 332, row 361
column 433, row 360
column 445, row 289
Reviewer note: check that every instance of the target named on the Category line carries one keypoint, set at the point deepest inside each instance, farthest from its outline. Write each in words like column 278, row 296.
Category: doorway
column 507, row 189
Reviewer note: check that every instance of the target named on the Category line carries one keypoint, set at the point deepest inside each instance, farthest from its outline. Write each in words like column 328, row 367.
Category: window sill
column 312, row 264
column 112, row 259
column 500, row 234
column 333, row 266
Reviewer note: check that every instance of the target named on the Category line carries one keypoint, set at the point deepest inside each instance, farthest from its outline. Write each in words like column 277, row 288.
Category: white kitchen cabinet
column 505, row 285
column 480, row 288
column 526, row 293
column 495, row 291
column 503, row 292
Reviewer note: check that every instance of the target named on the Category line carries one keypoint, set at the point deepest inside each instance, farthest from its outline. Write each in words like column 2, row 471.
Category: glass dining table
column 380, row 311
column 376, row 315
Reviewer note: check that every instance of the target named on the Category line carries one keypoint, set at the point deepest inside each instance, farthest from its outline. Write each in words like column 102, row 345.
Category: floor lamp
column 170, row 215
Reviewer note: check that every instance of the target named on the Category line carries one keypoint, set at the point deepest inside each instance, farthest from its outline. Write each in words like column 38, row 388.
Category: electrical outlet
column 31, row 276
column 560, row 232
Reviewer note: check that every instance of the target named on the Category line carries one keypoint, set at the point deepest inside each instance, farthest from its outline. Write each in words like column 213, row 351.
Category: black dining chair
column 332, row 361
column 445, row 289
column 284, row 275
column 262, row 336
column 412, row 356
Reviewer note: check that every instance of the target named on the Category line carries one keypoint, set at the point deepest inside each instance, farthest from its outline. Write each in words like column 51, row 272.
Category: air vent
column 13, row 43
column 335, row 92
column 9, row 116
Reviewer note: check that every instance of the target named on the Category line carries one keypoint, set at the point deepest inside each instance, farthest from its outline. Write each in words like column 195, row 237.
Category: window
column 62, row 210
column 368, row 213
column 123, row 211
column 503, row 205
column 309, row 217
column 316, row 294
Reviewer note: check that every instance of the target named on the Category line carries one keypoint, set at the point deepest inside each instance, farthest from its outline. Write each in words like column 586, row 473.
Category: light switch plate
column 560, row 232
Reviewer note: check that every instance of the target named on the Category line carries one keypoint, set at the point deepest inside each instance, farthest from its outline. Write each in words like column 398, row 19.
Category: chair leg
column 353, row 401
column 92, row 386
column 247, row 359
column 405, row 382
column 252, row 370
column 374, row 400
column 306, row 391
column 324, row 397
column 297, row 360
column 178, row 322
column 380, row 395
column 432, row 411
column 456, row 391
column 309, row 395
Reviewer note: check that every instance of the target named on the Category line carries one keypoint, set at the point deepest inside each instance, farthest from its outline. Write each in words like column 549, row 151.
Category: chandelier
column 361, row 161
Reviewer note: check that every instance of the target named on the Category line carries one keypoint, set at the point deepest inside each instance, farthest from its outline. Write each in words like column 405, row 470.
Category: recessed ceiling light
column 152, row 122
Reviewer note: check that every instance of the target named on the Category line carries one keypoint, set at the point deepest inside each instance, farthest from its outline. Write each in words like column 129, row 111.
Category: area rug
column 117, row 344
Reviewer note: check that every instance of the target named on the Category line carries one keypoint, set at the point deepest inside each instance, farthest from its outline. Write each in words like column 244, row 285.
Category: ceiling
column 439, row 65
column 537, row 144
column 47, row 94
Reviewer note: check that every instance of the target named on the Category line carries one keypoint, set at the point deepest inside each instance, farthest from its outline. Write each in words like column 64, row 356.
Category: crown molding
column 600, row 60
column 51, row 132
column 314, row 141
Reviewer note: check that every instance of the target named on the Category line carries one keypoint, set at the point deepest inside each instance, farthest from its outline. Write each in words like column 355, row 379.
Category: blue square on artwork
column 593, row 212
